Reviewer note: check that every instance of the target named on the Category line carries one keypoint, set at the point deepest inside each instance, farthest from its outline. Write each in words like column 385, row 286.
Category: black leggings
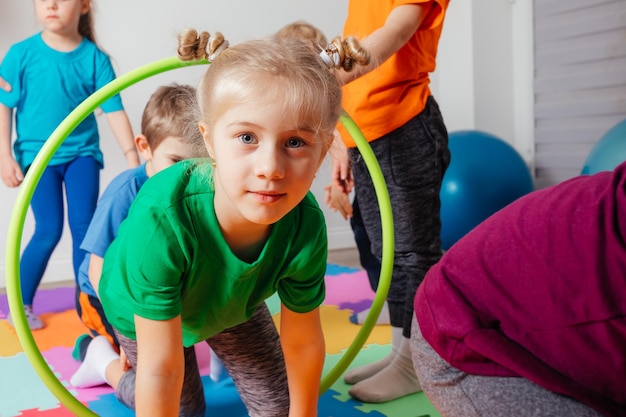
column 251, row 353
column 413, row 160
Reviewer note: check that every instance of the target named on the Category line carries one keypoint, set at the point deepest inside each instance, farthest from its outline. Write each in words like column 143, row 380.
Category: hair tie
column 331, row 61
column 217, row 45
column 331, row 56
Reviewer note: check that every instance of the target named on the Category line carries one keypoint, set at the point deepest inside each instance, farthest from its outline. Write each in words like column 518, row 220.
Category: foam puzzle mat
column 23, row 394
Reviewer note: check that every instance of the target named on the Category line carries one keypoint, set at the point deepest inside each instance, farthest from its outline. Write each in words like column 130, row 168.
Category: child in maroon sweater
column 526, row 315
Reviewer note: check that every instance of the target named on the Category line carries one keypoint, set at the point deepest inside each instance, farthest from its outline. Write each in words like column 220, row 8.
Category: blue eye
column 246, row 138
column 295, row 143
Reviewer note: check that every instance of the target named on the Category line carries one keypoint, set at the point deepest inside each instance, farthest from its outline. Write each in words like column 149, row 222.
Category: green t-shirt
column 171, row 258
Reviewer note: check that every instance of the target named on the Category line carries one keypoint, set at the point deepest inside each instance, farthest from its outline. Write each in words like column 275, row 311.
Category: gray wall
column 580, row 81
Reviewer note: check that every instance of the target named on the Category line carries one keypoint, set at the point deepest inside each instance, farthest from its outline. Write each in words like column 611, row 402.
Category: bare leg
column 192, row 403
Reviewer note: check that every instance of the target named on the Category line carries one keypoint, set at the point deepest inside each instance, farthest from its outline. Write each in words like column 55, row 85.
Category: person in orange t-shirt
column 391, row 102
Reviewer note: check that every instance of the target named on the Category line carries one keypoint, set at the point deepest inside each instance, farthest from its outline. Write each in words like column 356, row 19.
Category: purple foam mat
column 55, row 301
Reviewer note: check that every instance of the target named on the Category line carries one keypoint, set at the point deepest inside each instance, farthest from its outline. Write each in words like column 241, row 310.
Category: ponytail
column 85, row 26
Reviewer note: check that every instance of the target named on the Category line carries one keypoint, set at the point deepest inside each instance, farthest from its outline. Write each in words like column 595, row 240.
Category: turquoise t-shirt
column 46, row 86
column 170, row 258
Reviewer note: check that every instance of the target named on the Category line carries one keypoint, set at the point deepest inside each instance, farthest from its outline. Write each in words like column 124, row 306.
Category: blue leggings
column 82, row 186
column 368, row 261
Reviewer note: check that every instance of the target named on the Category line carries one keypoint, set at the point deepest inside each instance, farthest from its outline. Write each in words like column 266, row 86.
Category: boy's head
column 304, row 31
column 169, row 131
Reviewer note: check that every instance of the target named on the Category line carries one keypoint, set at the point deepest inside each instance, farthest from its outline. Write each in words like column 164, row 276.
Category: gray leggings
column 251, row 353
column 455, row 393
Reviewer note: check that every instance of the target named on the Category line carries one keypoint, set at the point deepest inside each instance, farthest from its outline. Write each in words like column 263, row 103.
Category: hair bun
column 193, row 45
column 345, row 53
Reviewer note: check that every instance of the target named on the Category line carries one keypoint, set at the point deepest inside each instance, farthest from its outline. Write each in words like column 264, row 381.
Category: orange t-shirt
column 392, row 94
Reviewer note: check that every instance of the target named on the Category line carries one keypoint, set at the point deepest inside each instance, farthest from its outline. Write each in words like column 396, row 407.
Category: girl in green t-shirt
column 207, row 241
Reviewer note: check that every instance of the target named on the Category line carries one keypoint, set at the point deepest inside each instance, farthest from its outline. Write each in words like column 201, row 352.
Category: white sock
column 92, row 372
column 383, row 318
column 396, row 380
column 217, row 371
column 366, row 371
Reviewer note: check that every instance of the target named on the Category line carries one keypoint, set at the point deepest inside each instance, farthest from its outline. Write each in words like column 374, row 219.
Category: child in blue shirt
column 168, row 136
column 49, row 74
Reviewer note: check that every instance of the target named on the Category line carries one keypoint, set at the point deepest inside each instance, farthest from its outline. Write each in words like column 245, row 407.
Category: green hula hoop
column 25, row 194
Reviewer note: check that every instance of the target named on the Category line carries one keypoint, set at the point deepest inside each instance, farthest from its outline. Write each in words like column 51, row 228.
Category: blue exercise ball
column 485, row 174
column 609, row 152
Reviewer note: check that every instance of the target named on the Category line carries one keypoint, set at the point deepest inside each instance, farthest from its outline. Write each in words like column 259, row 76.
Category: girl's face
column 61, row 16
column 266, row 160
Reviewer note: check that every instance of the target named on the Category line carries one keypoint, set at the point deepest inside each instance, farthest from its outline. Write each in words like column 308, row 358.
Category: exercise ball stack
column 485, row 174
column 609, row 152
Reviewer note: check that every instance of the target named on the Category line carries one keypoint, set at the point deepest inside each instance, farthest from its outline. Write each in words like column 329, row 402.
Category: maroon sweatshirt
column 538, row 291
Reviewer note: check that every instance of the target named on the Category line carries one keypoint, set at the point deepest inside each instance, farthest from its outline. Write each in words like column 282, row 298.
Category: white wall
column 484, row 70
column 475, row 81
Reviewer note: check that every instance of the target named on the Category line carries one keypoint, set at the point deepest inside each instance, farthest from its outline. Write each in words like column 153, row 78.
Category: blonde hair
column 172, row 111
column 307, row 86
column 303, row 30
